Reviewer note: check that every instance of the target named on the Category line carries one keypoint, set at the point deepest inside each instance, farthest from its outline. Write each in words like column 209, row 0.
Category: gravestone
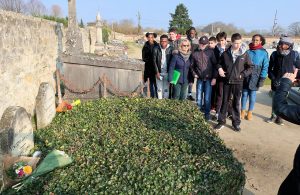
column 16, row 136
column 16, row 132
column 45, row 105
column 74, row 43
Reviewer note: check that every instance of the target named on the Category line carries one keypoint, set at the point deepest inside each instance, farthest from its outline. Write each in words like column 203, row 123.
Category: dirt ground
column 267, row 150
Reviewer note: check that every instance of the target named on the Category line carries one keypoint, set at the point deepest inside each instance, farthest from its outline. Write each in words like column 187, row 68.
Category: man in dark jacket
column 283, row 60
column 204, row 69
column 234, row 65
column 147, row 55
column 219, row 50
column 162, row 56
column 291, row 185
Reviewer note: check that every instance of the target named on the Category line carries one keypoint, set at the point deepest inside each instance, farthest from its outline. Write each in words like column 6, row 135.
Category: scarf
column 284, row 52
column 185, row 56
column 252, row 47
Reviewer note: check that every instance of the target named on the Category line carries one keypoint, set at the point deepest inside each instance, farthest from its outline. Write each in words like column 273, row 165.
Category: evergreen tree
column 180, row 19
column 81, row 25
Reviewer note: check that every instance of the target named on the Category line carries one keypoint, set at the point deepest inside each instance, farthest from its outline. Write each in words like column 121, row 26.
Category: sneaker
column 270, row 120
column 279, row 121
column 236, row 128
column 190, row 97
column 219, row 126
column 229, row 116
column 214, row 117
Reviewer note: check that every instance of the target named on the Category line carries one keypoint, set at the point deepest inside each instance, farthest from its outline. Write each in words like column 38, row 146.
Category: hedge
column 137, row 146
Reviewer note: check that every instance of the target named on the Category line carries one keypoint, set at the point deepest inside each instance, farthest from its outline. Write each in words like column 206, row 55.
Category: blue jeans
column 204, row 87
column 153, row 88
column 252, row 99
column 180, row 91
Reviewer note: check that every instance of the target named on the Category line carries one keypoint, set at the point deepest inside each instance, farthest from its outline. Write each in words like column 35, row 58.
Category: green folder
column 176, row 76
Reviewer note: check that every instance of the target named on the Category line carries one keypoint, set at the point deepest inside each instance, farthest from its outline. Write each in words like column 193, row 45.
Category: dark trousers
column 233, row 91
column 153, row 87
column 219, row 97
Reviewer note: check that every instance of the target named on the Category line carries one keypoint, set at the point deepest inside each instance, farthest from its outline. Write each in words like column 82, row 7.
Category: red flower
column 69, row 107
column 21, row 173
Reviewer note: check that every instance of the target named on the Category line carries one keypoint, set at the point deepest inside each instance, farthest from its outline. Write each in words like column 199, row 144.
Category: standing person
column 283, row 60
column 192, row 37
column 212, row 42
column 147, row 55
column 260, row 60
column 219, row 50
column 204, row 69
column 234, row 65
column 181, row 62
column 162, row 56
column 173, row 41
column 291, row 185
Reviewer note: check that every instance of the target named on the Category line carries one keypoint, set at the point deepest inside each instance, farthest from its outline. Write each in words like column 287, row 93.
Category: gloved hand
column 261, row 82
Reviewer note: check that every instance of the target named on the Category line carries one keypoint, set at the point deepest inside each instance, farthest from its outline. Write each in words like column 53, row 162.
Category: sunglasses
column 185, row 45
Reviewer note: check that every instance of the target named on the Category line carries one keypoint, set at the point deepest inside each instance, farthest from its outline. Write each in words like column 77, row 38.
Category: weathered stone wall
column 28, row 52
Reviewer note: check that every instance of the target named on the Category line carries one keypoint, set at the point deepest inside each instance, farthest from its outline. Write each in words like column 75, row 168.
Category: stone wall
column 28, row 52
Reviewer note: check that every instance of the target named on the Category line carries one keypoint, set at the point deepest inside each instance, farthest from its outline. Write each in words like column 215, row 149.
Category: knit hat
column 286, row 40
column 203, row 40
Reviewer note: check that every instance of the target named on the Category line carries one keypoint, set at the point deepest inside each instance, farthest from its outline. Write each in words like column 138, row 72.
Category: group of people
column 227, row 75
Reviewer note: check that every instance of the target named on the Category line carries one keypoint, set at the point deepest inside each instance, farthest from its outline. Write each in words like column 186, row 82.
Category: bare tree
column 12, row 5
column 125, row 26
column 56, row 11
column 294, row 28
column 228, row 28
column 278, row 30
column 35, row 8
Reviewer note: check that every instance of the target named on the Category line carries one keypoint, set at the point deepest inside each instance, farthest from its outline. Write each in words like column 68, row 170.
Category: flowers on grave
column 65, row 106
column 19, row 170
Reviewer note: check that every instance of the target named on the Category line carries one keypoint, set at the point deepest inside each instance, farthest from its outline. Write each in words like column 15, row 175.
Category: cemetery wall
column 28, row 52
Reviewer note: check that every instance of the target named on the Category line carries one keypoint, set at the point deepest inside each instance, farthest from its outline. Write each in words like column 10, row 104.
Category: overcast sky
column 250, row 14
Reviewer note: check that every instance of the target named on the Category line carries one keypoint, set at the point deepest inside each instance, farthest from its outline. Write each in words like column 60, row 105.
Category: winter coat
column 280, row 64
column 291, row 185
column 157, row 55
column 204, row 64
column 281, row 108
column 260, row 60
column 147, row 55
column 235, row 72
column 178, row 63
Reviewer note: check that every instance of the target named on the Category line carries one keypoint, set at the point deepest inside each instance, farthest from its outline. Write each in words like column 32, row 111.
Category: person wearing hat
column 147, row 56
column 234, row 65
column 204, row 70
column 283, row 60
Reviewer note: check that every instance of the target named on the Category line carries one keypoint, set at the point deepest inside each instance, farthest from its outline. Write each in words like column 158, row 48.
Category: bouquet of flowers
column 19, row 170
column 65, row 106
column 53, row 160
